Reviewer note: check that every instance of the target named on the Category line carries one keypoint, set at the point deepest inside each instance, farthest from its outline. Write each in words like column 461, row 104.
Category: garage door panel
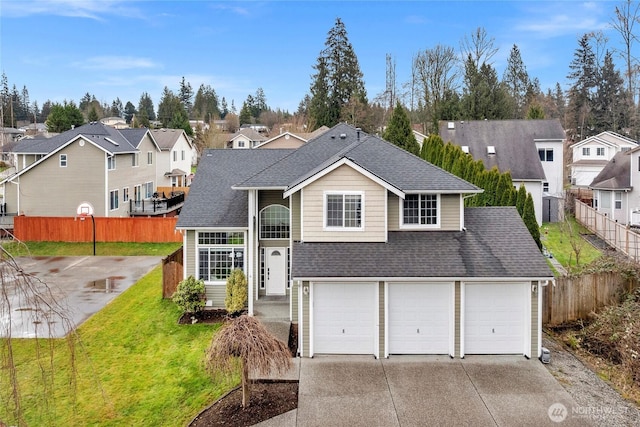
column 419, row 318
column 344, row 318
column 495, row 318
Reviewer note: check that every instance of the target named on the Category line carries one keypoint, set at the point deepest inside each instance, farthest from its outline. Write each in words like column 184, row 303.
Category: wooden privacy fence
column 574, row 298
column 72, row 229
column 617, row 235
column 171, row 273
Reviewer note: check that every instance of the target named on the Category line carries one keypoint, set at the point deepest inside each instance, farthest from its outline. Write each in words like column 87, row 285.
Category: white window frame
column 111, row 162
column 261, row 223
column 149, row 157
column 600, row 151
column 64, row 160
column 209, row 247
column 175, row 155
column 240, row 144
column 125, row 194
column 135, row 160
column 617, row 200
column 586, row 151
column 421, row 226
column 545, row 187
column 148, row 189
column 114, row 202
column 182, row 154
column 342, row 227
column 545, row 153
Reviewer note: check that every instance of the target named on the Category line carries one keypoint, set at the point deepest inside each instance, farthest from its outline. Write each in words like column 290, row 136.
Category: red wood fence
column 72, row 229
column 171, row 273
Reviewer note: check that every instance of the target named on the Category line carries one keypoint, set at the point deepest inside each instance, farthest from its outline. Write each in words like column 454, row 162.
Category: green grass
column 134, row 364
column 79, row 249
column 557, row 237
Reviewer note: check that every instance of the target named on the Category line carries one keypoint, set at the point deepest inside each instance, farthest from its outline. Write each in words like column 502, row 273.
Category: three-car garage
column 393, row 318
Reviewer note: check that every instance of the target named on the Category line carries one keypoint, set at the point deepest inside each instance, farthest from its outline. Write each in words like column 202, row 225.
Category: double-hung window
column 111, row 163
column 343, row 211
column 113, row 200
column 219, row 253
column 586, row 151
column 63, row 160
column 618, row 199
column 600, row 151
column 421, row 210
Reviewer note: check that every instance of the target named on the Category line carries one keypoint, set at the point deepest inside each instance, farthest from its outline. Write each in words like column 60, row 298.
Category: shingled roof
column 513, row 140
column 496, row 244
column 616, row 175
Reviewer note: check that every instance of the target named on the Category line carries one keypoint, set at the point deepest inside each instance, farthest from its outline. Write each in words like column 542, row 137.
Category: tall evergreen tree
column 529, row 218
column 584, row 75
column 224, row 108
column 146, row 104
column 205, row 106
column 185, row 95
column 516, row 80
column 337, row 79
column 129, row 112
column 64, row 117
column 610, row 101
column 399, row 131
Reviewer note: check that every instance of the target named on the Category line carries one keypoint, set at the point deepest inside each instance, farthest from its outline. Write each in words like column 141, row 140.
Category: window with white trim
column 545, row 154
column 63, row 160
column 125, row 194
column 219, row 253
column 113, row 200
column 618, row 199
column 135, row 159
column 182, row 154
column 343, row 211
column 420, row 210
column 600, row 151
column 111, row 163
column 545, row 187
column 149, row 157
column 274, row 222
column 148, row 189
column 175, row 156
column 586, row 151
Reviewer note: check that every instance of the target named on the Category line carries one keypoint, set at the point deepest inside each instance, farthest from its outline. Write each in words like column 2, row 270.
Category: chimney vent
column 343, row 136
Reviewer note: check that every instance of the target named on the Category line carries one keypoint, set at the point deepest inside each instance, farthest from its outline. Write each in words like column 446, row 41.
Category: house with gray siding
column 93, row 163
column 371, row 245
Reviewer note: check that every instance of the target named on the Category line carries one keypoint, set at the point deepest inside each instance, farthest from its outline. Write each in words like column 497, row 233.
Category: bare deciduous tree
column 247, row 340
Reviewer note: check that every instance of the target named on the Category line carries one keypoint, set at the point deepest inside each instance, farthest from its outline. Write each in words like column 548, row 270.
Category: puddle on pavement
column 108, row 285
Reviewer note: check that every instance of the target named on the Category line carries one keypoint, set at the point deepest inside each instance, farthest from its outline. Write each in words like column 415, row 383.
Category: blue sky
column 61, row 49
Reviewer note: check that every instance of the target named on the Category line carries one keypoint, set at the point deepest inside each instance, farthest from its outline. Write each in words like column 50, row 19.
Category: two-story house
column 592, row 154
column 372, row 246
column 246, row 138
column 93, row 163
column 176, row 156
column 532, row 150
column 612, row 189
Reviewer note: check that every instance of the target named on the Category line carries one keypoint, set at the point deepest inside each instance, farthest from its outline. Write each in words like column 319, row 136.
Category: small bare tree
column 247, row 340
column 569, row 229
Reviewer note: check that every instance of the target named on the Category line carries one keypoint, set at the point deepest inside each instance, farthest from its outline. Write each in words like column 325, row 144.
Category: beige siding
column 393, row 209
column 294, row 302
column 11, row 197
column 191, row 254
column 534, row 320
column 295, row 216
column 381, row 320
column 51, row 190
column 217, row 294
column 342, row 179
column 450, row 212
column 284, row 141
column 457, row 317
column 305, row 322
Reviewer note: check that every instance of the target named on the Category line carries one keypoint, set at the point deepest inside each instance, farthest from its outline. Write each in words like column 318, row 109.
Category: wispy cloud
column 115, row 63
column 89, row 9
column 549, row 20
column 238, row 10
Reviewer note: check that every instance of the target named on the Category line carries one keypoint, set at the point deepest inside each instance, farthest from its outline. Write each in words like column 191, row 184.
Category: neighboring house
column 612, row 189
column 116, row 122
column 372, row 246
column 591, row 155
column 92, row 163
column 256, row 127
column 289, row 139
column 175, row 158
column 532, row 150
column 245, row 138
column 420, row 137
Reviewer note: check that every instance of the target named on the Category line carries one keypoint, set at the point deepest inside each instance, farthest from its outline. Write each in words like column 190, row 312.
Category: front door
column 276, row 260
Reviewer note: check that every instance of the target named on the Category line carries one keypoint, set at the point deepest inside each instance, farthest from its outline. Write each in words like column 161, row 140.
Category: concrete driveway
column 78, row 287
column 428, row 390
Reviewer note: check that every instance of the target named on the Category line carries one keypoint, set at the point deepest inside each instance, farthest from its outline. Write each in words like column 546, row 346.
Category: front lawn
column 134, row 366
column 560, row 238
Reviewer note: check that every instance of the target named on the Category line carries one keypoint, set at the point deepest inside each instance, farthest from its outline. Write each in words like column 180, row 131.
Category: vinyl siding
column 449, row 212
column 283, row 142
column 295, row 216
column 294, row 302
column 190, row 254
column 344, row 179
column 51, row 190
column 305, row 322
column 217, row 294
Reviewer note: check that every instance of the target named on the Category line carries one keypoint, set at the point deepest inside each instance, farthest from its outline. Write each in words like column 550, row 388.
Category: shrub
column 190, row 295
column 236, row 292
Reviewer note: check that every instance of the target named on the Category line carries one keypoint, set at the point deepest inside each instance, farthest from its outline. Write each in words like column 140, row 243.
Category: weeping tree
column 27, row 304
column 246, row 340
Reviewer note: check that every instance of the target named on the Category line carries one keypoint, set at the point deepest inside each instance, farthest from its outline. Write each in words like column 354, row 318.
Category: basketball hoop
column 84, row 210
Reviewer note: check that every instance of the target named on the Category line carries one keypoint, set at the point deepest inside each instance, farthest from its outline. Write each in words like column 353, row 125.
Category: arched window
column 274, row 222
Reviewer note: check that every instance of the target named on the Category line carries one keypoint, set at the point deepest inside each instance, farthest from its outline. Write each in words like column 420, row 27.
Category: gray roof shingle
column 496, row 244
column 512, row 139
column 212, row 202
column 616, row 175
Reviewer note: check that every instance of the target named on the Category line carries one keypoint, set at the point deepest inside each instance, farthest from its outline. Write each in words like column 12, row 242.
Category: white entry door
column 276, row 266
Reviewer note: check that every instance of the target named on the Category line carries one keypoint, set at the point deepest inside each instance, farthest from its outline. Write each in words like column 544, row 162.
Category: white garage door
column 344, row 318
column 495, row 318
column 419, row 318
